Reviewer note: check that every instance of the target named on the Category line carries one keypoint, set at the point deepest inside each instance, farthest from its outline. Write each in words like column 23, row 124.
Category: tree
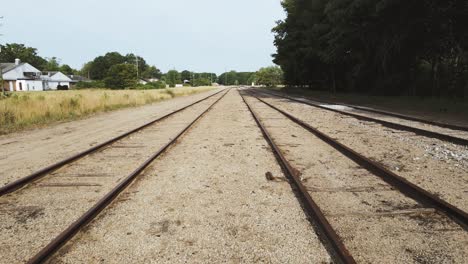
column 99, row 67
column 10, row 52
column 269, row 76
column 201, row 82
column 173, row 78
column 121, row 76
column 151, row 72
column 380, row 47
column 66, row 69
column 186, row 75
column 52, row 64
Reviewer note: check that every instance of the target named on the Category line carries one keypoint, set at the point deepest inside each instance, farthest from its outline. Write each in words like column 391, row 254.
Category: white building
column 52, row 80
column 21, row 77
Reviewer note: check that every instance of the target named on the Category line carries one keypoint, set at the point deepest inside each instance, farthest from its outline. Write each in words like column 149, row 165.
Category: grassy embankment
column 31, row 109
column 442, row 109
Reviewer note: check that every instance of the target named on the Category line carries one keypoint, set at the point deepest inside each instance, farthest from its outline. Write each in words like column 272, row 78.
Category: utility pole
column 136, row 59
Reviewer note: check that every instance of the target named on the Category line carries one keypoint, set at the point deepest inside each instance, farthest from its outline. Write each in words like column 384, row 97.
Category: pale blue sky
column 201, row 35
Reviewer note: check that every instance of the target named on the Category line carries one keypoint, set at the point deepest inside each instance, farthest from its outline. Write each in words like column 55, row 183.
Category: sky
column 201, row 35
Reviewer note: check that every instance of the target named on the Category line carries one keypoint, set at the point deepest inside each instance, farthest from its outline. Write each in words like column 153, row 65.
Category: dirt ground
column 219, row 195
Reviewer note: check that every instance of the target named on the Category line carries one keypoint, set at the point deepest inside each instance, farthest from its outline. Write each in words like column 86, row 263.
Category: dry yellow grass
column 30, row 109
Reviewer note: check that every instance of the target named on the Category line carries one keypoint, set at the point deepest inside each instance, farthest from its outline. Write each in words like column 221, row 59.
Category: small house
column 56, row 80
column 20, row 76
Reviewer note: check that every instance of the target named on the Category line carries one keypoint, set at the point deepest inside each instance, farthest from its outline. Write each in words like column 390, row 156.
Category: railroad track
column 393, row 125
column 113, row 152
column 311, row 206
column 20, row 183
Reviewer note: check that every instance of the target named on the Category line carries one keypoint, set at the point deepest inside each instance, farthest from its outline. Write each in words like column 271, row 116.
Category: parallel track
column 404, row 186
column 18, row 184
column 44, row 254
column 311, row 207
column 418, row 131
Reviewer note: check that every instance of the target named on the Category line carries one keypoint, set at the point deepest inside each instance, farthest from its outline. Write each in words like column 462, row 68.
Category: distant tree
column 202, row 82
column 270, row 76
column 186, row 75
column 142, row 65
column 66, row 69
column 151, row 72
column 52, row 64
column 121, row 76
column 235, row 78
column 99, row 67
column 85, row 70
column 173, row 78
column 13, row 51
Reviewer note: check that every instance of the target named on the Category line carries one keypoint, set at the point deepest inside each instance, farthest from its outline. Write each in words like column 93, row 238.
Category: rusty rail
column 87, row 217
column 418, row 131
column 18, row 184
column 404, row 186
column 311, row 208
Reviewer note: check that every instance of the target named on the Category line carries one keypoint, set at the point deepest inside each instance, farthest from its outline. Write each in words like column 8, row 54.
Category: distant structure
column 55, row 80
column 20, row 76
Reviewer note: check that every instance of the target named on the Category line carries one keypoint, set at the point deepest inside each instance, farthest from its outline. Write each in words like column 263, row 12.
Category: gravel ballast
column 377, row 223
column 206, row 200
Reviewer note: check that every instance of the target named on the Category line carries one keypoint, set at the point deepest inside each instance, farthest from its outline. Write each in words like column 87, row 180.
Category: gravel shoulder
column 45, row 146
column 206, row 200
column 377, row 223
column 435, row 165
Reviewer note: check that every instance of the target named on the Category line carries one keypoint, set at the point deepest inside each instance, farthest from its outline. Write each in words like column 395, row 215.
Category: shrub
column 87, row 85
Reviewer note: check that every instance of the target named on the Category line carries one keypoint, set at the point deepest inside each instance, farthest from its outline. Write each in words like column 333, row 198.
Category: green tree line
column 10, row 52
column 388, row 47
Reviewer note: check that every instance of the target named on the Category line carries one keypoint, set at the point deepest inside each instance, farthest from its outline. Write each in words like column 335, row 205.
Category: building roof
column 78, row 78
column 6, row 67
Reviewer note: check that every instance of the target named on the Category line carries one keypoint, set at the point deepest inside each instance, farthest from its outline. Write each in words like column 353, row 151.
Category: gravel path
column 42, row 147
column 33, row 216
column 206, row 200
column 377, row 223
column 437, row 166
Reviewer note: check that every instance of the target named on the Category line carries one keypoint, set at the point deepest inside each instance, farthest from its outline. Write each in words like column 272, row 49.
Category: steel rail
column 310, row 206
column 87, row 217
column 18, row 184
column 419, row 131
column 404, row 186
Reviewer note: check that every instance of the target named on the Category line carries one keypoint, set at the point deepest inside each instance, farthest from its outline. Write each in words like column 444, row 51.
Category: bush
column 121, row 76
column 87, row 85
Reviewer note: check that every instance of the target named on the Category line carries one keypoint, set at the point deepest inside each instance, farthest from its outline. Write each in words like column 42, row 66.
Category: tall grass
column 29, row 109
